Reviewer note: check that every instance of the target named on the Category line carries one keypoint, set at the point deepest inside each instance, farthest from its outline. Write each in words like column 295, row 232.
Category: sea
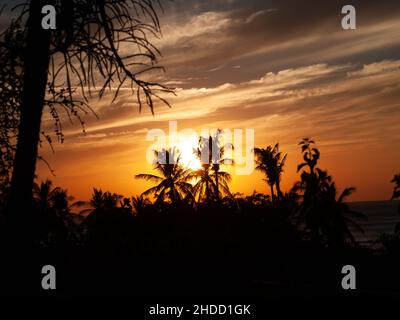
column 382, row 217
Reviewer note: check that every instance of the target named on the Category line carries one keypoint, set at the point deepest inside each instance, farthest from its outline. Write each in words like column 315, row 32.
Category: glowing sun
column 188, row 157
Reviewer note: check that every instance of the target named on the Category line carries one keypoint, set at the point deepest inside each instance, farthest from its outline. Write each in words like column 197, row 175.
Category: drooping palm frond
column 149, row 177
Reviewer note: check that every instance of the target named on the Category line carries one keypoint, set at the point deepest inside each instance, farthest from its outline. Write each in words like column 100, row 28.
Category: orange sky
column 262, row 65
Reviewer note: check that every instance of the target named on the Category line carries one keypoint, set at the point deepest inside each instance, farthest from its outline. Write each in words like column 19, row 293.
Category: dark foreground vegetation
column 195, row 239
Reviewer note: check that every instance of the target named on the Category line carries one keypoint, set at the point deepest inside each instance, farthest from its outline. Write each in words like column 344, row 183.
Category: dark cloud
column 266, row 36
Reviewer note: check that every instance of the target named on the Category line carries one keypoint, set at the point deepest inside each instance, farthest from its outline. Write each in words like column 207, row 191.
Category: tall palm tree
column 173, row 181
column 211, row 181
column 270, row 161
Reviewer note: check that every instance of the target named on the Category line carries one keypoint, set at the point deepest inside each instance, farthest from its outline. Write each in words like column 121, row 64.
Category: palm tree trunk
column 217, row 184
column 278, row 190
column 36, row 64
column 272, row 194
column 206, row 192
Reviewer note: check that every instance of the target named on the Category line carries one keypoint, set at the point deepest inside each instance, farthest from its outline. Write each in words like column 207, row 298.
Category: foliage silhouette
column 311, row 226
column 108, row 223
column 85, row 48
column 173, row 184
column 10, row 83
column 325, row 216
column 270, row 161
column 211, row 183
column 139, row 204
column 54, row 224
column 396, row 195
column 396, row 189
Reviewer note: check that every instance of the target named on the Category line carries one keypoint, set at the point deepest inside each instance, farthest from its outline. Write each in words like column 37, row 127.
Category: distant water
column 382, row 218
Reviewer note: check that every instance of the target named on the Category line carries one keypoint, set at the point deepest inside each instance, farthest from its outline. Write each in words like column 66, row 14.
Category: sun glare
column 188, row 157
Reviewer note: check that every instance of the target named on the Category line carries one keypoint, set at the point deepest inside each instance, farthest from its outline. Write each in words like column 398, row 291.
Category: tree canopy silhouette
column 270, row 161
column 173, row 182
column 325, row 215
column 212, row 182
column 96, row 42
column 396, row 190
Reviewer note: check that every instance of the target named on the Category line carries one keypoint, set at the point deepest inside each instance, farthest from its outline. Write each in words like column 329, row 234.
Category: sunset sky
column 283, row 68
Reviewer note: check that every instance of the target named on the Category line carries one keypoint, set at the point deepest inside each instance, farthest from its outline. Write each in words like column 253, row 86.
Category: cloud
column 281, row 94
column 272, row 36
column 377, row 68
column 215, row 69
column 258, row 14
column 205, row 23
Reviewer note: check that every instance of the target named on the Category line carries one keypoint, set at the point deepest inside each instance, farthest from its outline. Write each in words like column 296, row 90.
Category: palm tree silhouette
column 103, row 201
column 342, row 220
column 139, row 203
column 205, row 189
column 56, row 198
column 54, row 208
column 328, row 218
column 173, row 181
column 270, row 161
column 44, row 193
column 210, row 179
